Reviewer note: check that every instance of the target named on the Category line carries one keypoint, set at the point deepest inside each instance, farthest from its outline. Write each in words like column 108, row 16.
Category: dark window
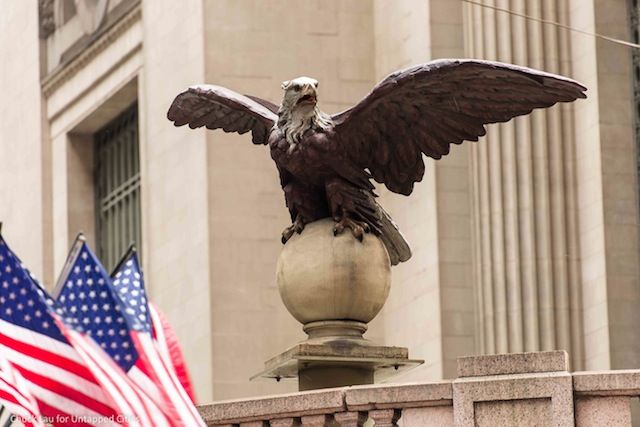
column 118, row 187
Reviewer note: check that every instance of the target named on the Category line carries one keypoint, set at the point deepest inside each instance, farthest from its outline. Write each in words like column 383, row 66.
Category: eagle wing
column 217, row 107
column 426, row 108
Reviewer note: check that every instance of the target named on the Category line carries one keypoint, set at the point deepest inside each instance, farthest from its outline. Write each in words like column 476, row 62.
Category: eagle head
column 300, row 94
column 299, row 111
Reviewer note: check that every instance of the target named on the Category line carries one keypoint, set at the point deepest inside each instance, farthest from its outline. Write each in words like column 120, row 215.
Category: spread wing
column 217, row 107
column 428, row 107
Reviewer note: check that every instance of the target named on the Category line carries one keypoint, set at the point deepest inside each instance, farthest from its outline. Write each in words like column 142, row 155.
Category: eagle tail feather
column 397, row 246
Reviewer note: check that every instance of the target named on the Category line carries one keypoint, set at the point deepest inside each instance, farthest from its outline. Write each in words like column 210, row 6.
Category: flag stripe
column 60, row 375
column 139, row 377
column 122, row 396
column 178, row 397
column 13, row 395
column 29, row 337
column 148, row 408
column 18, row 409
column 43, row 353
column 66, row 392
column 16, row 403
column 12, row 382
column 63, row 419
column 148, row 413
column 169, row 349
column 53, row 404
column 174, row 412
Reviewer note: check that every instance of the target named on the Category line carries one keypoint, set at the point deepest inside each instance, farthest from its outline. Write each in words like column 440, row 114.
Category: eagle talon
column 296, row 227
column 358, row 228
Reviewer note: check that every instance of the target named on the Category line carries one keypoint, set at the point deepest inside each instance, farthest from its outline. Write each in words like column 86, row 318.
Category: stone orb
column 327, row 277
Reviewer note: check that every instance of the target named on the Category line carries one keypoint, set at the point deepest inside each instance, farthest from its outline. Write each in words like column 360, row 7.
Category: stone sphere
column 327, row 277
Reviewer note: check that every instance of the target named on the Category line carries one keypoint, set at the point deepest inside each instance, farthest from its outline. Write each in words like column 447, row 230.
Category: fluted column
column 523, row 195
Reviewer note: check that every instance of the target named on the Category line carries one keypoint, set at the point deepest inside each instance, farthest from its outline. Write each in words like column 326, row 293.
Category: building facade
column 524, row 241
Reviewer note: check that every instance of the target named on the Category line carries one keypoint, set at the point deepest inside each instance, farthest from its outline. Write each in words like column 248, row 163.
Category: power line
column 557, row 24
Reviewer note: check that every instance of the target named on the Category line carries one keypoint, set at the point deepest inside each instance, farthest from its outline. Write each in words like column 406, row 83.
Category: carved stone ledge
column 363, row 398
column 607, row 383
column 282, row 406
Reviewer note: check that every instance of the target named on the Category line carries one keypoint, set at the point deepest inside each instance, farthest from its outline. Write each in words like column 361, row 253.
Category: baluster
column 385, row 417
column 255, row 424
column 285, row 422
column 351, row 419
column 316, row 420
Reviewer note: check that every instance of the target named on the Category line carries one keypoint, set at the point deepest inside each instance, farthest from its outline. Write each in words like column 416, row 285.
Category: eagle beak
column 308, row 95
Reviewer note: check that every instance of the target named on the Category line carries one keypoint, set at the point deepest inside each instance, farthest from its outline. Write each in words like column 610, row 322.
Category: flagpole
column 8, row 421
column 130, row 251
column 71, row 259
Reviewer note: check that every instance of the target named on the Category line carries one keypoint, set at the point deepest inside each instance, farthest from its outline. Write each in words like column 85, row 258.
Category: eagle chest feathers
column 326, row 161
column 309, row 159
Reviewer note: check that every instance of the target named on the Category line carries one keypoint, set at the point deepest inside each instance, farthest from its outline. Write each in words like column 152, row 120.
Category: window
column 117, row 187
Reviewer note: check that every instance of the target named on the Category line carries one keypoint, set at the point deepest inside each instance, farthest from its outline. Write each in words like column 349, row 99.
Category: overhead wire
column 557, row 24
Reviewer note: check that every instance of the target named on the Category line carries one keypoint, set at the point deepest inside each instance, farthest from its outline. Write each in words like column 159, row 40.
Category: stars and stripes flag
column 151, row 337
column 116, row 316
column 16, row 397
column 74, row 381
column 66, row 391
column 169, row 348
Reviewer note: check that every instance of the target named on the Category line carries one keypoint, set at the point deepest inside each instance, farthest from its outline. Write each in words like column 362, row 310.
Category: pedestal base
column 326, row 360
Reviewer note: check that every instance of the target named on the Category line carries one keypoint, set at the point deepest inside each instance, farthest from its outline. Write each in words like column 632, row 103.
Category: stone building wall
column 20, row 134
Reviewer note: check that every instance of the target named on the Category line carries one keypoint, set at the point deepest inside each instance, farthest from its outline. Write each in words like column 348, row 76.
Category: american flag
column 169, row 348
column 128, row 281
column 120, row 325
column 31, row 339
column 74, row 381
column 16, row 397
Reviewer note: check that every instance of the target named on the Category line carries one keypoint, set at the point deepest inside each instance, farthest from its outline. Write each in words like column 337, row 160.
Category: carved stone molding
column 104, row 38
column 47, row 23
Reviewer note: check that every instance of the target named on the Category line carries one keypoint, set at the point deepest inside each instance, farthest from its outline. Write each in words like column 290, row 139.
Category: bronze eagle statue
column 326, row 162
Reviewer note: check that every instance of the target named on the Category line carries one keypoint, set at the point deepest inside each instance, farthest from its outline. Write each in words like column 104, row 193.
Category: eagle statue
column 326, row 162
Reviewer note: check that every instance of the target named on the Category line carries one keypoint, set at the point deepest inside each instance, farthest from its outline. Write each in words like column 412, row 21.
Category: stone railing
column 526, row 389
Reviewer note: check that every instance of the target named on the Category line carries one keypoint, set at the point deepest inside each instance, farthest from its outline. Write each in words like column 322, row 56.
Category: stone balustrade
column 526, row 389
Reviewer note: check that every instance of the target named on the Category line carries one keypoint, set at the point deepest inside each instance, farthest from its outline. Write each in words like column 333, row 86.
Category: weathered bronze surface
column 326, row 162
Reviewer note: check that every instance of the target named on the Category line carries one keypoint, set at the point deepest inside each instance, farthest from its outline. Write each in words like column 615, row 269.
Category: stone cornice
column 103, row 38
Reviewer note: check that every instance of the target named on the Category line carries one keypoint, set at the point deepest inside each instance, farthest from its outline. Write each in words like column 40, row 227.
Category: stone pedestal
column 334, row 286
